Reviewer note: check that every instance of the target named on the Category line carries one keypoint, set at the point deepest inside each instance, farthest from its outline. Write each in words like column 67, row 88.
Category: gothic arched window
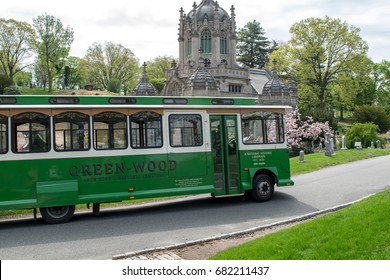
column 176, row 90
column 223, row 44
column 189, row 46
column 205, row 41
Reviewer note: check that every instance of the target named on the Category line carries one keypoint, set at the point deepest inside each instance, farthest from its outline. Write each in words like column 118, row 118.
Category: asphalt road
column 118, row 231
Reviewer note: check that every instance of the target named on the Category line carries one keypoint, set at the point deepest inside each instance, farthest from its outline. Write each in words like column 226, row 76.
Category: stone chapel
column 207, row 61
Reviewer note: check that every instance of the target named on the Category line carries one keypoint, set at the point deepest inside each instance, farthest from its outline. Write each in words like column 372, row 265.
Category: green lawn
column 359, row 232
column 317, row 161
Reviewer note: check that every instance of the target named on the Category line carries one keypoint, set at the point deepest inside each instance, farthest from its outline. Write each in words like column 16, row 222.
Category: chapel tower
column 207, row 36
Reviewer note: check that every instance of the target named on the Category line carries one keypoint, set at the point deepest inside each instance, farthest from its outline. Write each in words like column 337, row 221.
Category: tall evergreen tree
column 252, row 45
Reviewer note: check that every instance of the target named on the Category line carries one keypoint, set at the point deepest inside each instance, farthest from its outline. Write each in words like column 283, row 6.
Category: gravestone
column 343, row 143
column 301, row 156
column 329, row 146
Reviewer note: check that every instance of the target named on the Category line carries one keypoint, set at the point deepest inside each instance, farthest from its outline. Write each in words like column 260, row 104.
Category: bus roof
column 12, row 101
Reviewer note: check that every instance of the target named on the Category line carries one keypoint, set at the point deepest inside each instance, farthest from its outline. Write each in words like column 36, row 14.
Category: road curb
column 237, row 233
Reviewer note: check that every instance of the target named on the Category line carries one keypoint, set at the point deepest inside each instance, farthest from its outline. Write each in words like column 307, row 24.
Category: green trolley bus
column 60, row 151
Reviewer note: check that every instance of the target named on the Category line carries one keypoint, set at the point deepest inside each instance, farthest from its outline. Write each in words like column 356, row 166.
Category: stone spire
column 275, row 86
column 144, row 88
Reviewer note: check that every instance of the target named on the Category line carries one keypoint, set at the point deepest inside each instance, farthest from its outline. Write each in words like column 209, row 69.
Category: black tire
column 263, row 188
column 96, row 209
column 57, row 214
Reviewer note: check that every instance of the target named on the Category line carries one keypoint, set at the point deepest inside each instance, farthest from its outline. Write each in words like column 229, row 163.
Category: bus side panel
column 193, row 170
column 55, row 193
column 17, row 186
column 275, row 161
column 55, row 182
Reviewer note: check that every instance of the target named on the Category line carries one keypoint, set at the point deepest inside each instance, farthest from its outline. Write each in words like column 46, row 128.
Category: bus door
column 225, row 154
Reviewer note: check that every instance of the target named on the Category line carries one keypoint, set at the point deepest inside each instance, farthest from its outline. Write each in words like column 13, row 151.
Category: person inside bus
column 37, row 143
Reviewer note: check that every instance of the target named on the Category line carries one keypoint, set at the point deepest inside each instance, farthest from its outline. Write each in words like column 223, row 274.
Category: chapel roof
column 207, row 8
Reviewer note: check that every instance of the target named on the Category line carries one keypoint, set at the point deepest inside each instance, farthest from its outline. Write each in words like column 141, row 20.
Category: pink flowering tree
column 305, row 134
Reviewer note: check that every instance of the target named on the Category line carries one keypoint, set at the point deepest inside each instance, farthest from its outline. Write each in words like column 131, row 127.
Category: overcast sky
column 149, row 28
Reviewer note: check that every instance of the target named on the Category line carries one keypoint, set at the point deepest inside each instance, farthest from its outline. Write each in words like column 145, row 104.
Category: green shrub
column 114, row 85
column 12, row 90
column 372, row 114
column 158, row 83
column 362, row 132
column 5, row 81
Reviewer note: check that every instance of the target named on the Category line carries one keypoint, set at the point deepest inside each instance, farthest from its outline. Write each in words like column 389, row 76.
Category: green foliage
column 53, row 45
column 323, row 53
column 111, row 61
column 158, row 83
column 362, row 132
column 114, row 85
column 252, row 46
column 66, row 76
column 74, row 74
column 5, row 82
column 12, row 90
column 16, row 44
column 23, row 78
column 372, row 114
column 381, row 79
column 156, row 67
column 358, row 232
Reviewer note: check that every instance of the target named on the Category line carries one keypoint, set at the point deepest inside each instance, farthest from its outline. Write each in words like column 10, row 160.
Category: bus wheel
column 57, row 214
column 263, row 188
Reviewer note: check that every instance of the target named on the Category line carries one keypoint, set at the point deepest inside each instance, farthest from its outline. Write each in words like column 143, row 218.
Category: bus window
column 262, row 128
column 71, row 132
column 185, row 130
column 31, row 132
column 146, row 130
column 3, row 134
column 110, row 131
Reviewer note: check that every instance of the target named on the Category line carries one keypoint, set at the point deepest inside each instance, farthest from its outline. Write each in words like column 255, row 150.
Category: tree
column 5, row 82
column 372, row 114
column 252, row 45
column 353, row 86
column 40, row 74
column 157, row 66
column 381, row 79
column 74, row 73
column 23, row 78
column 53, row 45
column 114, row 85
column 66, row 76
column 112, row 61
column 16, row 45
column 320, row 51
column 158, row 83
column 156, row 70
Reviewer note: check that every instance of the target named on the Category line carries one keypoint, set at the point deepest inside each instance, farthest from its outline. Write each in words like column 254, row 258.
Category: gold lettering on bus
column 104, row 169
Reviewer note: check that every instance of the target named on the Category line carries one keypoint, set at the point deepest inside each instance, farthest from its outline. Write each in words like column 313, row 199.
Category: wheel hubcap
column 264, row 188
column 58, row 212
